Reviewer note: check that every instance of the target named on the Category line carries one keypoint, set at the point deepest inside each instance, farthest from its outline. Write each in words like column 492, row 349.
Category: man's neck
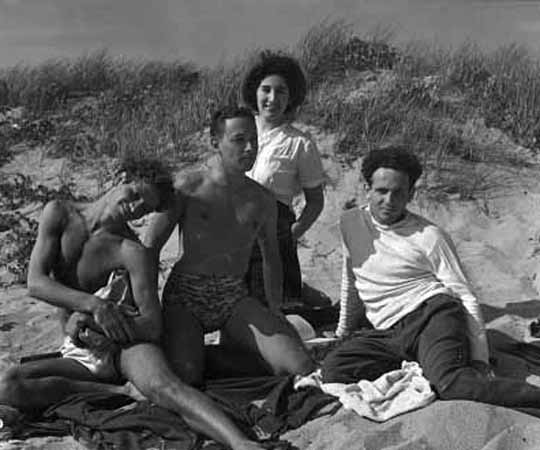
column 231, row 178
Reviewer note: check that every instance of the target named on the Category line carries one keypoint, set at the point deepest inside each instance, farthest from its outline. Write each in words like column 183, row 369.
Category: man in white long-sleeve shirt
column 404, row 271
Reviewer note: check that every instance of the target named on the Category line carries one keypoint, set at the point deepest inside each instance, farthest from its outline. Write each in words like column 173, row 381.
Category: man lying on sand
column 406, row 272
column 220, row 212
column 77, row 248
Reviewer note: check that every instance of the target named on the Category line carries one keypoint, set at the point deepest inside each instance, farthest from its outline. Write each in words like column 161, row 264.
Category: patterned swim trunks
column 210, row 298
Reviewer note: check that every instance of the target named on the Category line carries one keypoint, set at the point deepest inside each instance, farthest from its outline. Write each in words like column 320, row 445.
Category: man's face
column 135, row 200
column 238, row 143
column 388, row 195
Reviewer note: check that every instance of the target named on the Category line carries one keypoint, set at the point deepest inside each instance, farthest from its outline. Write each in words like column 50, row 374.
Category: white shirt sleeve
column 448, row 270
column 310, row 168
column 350, row 306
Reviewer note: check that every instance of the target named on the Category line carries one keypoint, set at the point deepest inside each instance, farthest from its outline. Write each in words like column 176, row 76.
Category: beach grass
column 117, row 106
column 366, row 89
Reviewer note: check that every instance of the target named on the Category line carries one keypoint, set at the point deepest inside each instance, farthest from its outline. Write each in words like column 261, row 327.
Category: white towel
column 391, row 394
column 117, row 289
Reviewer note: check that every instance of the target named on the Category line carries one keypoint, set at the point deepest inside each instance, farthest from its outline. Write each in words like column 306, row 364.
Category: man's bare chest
column 226, row 212
column 86, row 260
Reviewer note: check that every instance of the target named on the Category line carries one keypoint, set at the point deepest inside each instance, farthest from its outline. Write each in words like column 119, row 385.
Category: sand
column 497, row 234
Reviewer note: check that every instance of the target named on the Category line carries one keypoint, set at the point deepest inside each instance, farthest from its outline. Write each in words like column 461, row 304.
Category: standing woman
column 288, row 162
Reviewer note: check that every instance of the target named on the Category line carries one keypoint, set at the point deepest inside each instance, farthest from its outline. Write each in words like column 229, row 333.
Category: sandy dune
column 497, row 234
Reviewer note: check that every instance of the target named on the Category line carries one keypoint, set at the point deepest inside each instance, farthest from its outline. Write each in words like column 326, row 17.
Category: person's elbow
column 34, row 284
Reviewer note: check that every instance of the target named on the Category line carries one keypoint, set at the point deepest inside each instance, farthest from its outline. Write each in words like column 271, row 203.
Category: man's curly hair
column 275, row 63
column 151, row 171
column 395, row 157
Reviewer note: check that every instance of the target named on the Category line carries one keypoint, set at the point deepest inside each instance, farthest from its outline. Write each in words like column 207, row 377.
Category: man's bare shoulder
column 130, row 253
column 56, row 213
column 189, row 182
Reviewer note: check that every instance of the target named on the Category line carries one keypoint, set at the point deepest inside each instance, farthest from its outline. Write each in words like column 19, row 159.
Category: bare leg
column 183, row 344
column 253, row 327
column 145, row 366
column 37, row 385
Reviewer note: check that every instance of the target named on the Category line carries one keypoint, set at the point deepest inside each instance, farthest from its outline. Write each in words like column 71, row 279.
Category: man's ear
column 214, row 141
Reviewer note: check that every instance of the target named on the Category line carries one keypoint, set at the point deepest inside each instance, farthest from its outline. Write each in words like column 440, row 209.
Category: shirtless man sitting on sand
column 78, row 246
column 220, row 212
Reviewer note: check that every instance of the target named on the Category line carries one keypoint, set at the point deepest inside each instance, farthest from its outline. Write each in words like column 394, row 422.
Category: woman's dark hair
column 394, row 157
column 151, row 171
column 275, row 63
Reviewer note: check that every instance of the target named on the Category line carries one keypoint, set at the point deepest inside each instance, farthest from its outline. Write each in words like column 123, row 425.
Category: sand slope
column 497, row 234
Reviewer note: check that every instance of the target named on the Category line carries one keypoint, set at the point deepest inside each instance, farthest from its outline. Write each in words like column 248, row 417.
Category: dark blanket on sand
column 264, row 407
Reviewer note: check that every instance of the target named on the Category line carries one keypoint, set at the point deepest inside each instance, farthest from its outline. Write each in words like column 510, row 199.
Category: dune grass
column 368, row 90
column 116, row 106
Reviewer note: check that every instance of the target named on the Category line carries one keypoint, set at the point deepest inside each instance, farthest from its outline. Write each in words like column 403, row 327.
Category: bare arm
column 272, row 270
column 147, row 325
column 162, row 225
column 44, row 255
column 312, row 209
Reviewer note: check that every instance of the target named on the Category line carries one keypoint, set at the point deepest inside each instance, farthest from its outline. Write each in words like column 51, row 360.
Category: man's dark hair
column 151, row 171
column 394, row 157
column 272, row 63
column 228, row 112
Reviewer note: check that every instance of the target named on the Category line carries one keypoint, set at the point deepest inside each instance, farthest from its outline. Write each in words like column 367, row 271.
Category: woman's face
column 273, row 99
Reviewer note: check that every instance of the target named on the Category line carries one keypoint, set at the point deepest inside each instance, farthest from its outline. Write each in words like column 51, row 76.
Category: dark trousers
column 435, row 335
column 292, row 277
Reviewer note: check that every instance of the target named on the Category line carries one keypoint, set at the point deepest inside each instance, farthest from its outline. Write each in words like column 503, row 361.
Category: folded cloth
column 98, row 353
column 391, row 394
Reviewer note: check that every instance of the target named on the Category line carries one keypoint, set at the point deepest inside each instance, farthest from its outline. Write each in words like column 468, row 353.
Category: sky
column 207, row 31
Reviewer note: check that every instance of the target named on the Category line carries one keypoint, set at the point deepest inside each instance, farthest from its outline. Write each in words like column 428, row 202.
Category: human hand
column 296, row 232
column 76, row 323
column 115, row 321
column 483, row 367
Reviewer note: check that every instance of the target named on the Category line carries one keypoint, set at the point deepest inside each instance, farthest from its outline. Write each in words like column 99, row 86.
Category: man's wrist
column 93, row 304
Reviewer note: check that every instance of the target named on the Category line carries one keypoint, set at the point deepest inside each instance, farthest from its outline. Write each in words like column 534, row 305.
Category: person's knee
column 11, row 387
column 463, row 384
column 185, row 371
column 166, row 385
column 189, row 370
